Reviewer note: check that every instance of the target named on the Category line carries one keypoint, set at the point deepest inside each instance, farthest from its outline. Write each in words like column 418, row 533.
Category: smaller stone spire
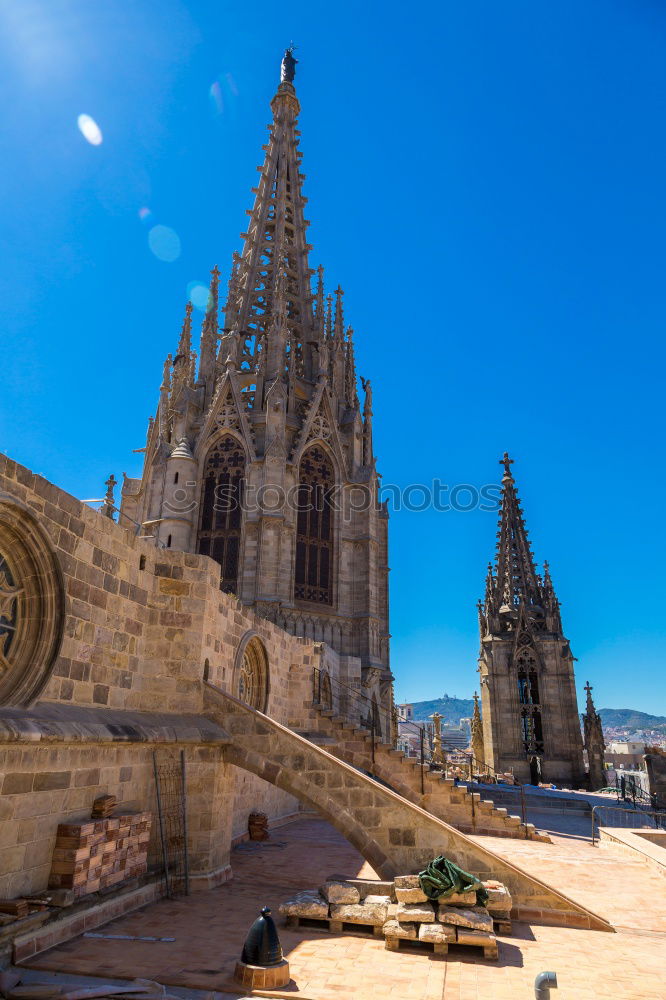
column 351, row 395
column 108, row 508
column 594, row 743
column 209, row 334
column 320, row 311
column 185, row 342
column 182, row 362
column 338, row 328
column 476, row 742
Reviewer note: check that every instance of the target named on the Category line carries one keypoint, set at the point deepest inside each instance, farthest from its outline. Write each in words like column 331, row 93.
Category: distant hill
column 451, row 709
column 630, row 718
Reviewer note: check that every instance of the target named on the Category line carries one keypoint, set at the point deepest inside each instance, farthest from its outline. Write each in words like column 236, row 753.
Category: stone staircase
column 457, row 805
column 393, row 834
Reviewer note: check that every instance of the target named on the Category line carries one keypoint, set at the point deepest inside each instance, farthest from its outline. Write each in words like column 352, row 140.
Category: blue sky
column 485, row 179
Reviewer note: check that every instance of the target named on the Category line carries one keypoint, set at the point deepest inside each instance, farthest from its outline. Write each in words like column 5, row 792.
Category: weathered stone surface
column 410, row 896
column 381, row 900
column 394, row 929
column 466, row 935
column 437, row 933
column 340, row 892
column 422, row 913
column 475, row 917
column 499, row 898
column 459, row 899
column 373, row 914
column 308, row 903
column 407, row 882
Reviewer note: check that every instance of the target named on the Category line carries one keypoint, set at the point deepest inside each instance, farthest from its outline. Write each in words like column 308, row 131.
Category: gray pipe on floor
column 543, row 984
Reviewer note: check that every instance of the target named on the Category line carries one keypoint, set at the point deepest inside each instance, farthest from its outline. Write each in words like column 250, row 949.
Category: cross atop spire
column 507, row 463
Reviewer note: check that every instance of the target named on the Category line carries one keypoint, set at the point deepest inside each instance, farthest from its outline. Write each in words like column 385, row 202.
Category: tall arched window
column 314, row 528
column 221, row 518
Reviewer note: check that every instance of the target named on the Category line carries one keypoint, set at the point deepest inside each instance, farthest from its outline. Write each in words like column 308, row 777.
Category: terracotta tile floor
column 210, row 928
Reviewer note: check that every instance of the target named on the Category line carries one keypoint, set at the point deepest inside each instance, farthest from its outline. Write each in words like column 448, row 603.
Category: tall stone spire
column 275, row 238
column 594, row 743
column 515, row 578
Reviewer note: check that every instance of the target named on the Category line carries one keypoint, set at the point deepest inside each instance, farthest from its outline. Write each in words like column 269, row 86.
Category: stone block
column 437, row 933
column 466, row 935
column 394, row 929
column 459, row 899
column 474, row 917
column 410, row 896
column 340, row 892
column 422, row 913
column 308, row 903
column 499, row 900
column 407, row 882
column 373, row 914
column 381, row 900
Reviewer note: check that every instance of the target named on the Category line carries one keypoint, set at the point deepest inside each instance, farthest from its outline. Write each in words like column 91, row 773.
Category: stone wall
column 140, row 627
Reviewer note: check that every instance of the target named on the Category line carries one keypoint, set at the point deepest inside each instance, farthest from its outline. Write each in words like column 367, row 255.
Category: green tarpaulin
column 443, row 878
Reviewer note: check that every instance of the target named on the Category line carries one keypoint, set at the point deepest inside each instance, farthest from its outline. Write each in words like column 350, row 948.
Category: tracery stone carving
column 31, row 606
column 252, row 674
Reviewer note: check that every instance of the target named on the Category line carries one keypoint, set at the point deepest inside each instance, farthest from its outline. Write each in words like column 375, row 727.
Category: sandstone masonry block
column 420, row 912
column 407, row 882
column 437, row 933
column 458, row 899
column 340, row 892
column 394, row 929
column 475, row 917
column 305, row 904
column 373, row 914
column 411, row 896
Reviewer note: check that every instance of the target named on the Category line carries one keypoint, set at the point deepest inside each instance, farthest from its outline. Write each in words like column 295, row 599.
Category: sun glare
column 90, row 130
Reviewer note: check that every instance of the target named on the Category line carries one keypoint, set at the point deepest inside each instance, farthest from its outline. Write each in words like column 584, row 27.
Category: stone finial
column 109, row 506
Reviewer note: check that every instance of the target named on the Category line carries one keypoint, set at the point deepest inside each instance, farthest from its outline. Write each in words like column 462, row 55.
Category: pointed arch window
column 221, row 518
column 314, row 528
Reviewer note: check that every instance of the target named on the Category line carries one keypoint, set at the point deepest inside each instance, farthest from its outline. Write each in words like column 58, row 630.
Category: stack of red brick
column 100, row 853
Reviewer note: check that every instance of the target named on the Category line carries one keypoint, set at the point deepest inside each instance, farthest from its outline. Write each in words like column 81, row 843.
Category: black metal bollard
column 262, row 946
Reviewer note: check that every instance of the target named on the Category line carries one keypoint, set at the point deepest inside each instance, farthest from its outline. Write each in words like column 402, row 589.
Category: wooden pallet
column 502, row 926
column 330, row 926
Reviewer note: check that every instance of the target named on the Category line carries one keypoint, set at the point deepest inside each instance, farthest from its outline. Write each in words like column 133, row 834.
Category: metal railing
column 454, row 758
column 633, row 819
column 332, row 695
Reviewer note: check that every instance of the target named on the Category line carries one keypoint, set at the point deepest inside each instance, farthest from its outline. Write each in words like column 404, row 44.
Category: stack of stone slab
column 100, row 854
column 400, row 911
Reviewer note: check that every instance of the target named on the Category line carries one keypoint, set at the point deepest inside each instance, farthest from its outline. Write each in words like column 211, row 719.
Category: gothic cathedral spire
column 271, row 423
column 275, row 248
column 530, row 714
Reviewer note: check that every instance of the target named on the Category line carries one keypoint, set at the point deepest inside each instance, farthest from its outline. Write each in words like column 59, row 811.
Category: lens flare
column 145, row 214
column 90, row 130
column 216, row 99
column 164, row 243
column 197, row 293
